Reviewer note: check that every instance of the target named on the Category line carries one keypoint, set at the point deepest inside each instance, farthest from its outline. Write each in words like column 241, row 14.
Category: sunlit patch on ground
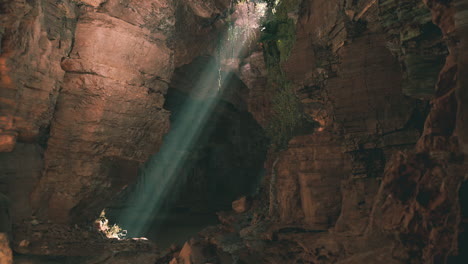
column 110, row 231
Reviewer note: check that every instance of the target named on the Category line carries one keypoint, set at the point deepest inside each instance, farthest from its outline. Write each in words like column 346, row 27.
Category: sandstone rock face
column 93, row 3
column 253, row 73
column 308, row 177
column 241, row 205
column 69, row 70
column 198, row 27
column 110, row 114
column 417, row 42
column 36, row 35
column 382, row 179
column 419, row 203
column 113, row 70
column 354, row 91
column 82, row 92
column 8, row 141
column 207, row 9
column 6, row 256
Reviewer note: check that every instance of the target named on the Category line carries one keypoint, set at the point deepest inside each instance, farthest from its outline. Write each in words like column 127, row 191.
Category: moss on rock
column 278, row 38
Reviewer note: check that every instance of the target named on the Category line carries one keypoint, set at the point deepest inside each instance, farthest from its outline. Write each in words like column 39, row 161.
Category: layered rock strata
column 381, row 179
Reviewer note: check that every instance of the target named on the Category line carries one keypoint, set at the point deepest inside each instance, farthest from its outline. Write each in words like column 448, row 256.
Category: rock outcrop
column 383, row 177
column 85, row 81
column 110, row 115
column 36, row 35
column 6, row 255
column 380, row 176
column 82, row 96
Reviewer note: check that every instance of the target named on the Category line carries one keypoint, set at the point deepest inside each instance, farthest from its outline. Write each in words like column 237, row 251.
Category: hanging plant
column 278, row 38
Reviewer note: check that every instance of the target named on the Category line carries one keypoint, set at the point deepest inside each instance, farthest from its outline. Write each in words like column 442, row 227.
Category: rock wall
column 36, row 35
column 82, row 94
column 110, row 107
column 382, row 178
column 68, row 67
column 85, row 81
column 5, row 251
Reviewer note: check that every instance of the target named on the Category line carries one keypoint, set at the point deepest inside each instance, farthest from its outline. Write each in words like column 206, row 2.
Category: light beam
column 161, row 174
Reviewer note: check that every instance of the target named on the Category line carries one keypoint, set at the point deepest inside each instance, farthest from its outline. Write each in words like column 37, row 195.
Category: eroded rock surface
column 6, row 255
column 380, row 179
column 107, row 79
column 36, row 35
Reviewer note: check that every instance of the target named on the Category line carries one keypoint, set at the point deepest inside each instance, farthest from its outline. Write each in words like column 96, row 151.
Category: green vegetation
column 278, row 39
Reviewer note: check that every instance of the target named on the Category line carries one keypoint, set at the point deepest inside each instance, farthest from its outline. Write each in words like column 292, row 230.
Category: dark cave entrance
column 225, row 163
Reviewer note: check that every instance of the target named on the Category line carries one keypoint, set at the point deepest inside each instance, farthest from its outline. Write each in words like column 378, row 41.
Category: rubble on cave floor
column 55, row 243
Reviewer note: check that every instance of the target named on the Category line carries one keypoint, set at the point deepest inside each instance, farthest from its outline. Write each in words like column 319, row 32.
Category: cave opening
column 214, row 151
column 223, row 163
column 325, row 134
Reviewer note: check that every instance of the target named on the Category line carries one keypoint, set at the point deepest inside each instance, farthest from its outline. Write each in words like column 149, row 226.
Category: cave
column 225, row 163
column 233, row 131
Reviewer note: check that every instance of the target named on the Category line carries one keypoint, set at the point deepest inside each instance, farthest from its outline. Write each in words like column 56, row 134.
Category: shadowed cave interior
column 226, row 164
